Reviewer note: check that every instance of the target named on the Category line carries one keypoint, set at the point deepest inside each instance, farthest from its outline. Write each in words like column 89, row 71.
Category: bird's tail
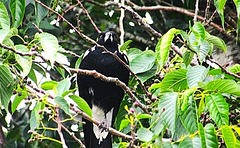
column 91, row 140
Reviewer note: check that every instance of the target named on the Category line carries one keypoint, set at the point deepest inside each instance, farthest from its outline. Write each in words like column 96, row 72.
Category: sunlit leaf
column 17, row 8
column 82, row 104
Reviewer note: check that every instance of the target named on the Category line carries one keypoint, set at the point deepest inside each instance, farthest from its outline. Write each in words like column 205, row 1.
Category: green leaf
column 4, row 18
column 198, row 27
column 6, row 86
column 211, row 138
column 17, row 100
column 32, row 76
column 218, row 109
column 63, row 104
column 24, row 61
column 143, row 62
column 49, row 44
column 35, row 116
column 78, row 62
column 148, row 74
column 144, row 134
column 189, row 117
column 41, row 11
column 237, row 4
column 125, row 45
column 223, row 86
column 82, row 104
column 124, row 124
column 49, row 85
column 17, row 8
column 202, row 135
column 186, row 143
column 132, row 53
column 143, row 116
column 216, row 41
column 169, row 103
column 219, row 4
column 196, row 74
column 63, row 86
column 3, row 34
column 164, row 45
column 228, row 136
column 205, row 48
column 187, row 57
column 175, row 80
column 235, row 68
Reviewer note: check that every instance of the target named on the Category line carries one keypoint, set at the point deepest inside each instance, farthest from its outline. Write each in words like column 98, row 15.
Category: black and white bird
column 104, row 98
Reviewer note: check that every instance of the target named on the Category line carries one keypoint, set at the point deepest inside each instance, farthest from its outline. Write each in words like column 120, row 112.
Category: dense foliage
column 178, row 95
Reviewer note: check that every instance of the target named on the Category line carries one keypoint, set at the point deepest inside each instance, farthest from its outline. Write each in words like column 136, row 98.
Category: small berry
column 30, row 132
column 202, row 115
column 149, row 95
column 30, row 140
column 71, row 104
column 25, row 43
column 29, row 82
column 238, row 124
column 156, row 109
column 14, row 91
column 156, row 81
column 153, row 99
column 40, row 100
column 163, row 109
column 19, row 93
column 40, row 112
column 136, row 104
column 131, row 110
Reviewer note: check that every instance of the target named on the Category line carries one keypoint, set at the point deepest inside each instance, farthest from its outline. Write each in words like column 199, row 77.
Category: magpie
column 104, row 98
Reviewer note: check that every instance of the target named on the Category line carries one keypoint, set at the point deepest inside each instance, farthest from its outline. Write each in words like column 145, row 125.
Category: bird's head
column 108, row 39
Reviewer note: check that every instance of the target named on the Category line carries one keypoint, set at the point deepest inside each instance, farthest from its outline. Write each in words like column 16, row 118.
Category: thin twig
column 59, row 129
column 196, row 12
column 207, row 10
column 89, row 17
column 223, row 69
column 121, row 28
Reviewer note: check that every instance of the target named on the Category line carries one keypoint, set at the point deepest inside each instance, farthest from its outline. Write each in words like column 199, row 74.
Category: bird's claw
column 103, row 126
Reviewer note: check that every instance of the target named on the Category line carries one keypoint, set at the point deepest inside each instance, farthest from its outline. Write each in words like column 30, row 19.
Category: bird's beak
column 108, row 36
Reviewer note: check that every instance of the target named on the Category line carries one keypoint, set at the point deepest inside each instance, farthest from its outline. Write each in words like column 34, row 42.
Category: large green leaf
column 4, row 18
column 17, row 100
column 189, row 117
column 144, row 134
column 41, row 11
column 198, row 27
column 35, row 116
column 219, row 4
column 49, row 85
column 6, row 86
column 148, row 74
column 24, row 61
column 196, row 74
column 143, row 62
column 210, row 134
column 175, row 80
column 17, row 8
column 228, row 136
column 216, row 41
column 82, row 104
column 186, row 143
column 202, row 135
column 3, row 34
column 132, row 53
column 187, row 57
column 63, row 104
column 235, row 68
column 223, row 86
column 49, row 44
column 205, row 49
column 63, row 86
column 164, row 45
column 237, row 4
column 168, row 103
column 218, row 109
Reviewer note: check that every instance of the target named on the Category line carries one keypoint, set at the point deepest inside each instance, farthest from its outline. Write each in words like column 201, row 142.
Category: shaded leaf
column 219, row 4
column 4, row 18
column 202, row 135
column 223, row 86
column 211, row 138
column 17, row 8
column 82, row 104
column 218, row 109
column 216, row 41
column 169, row 103
column 144, row 134
column 143, row 62
column 196, row 74
column 63, row 104
column 24, row 61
